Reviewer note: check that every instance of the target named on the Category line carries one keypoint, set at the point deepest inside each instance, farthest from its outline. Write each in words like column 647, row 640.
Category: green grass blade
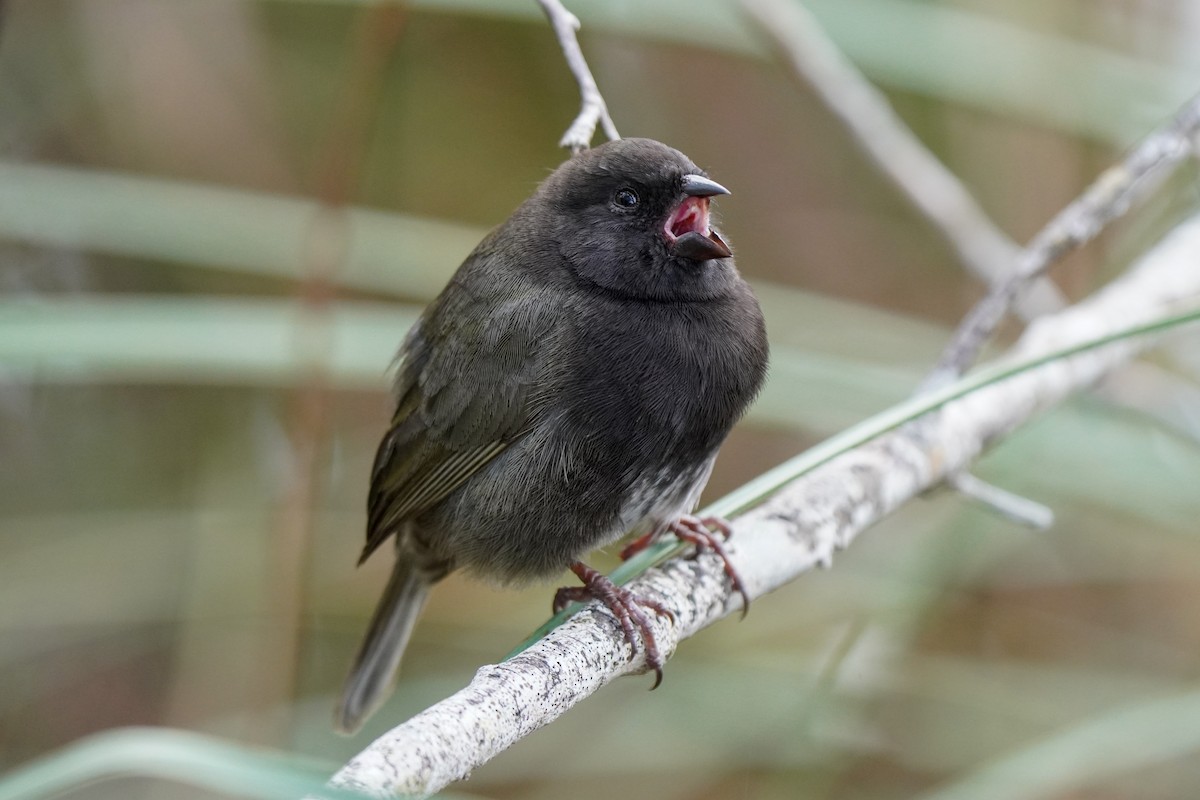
column 175, row 755
column 215, row 227
column 1088, row 754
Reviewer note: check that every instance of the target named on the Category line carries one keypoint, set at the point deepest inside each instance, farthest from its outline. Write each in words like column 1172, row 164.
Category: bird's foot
column 625, row 606
column 703, row 534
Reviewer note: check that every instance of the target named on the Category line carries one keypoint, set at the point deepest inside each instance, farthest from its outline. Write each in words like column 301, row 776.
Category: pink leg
column 636, row 546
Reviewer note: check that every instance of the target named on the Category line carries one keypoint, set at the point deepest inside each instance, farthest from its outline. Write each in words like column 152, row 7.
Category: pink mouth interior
column 691, row 216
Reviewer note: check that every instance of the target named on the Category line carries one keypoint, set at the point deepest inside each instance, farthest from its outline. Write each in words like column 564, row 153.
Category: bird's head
column 632, row 217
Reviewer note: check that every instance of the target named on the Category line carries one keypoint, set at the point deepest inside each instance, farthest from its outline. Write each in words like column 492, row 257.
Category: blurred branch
column 865, row 112
column 1109, row 196
column 796, row 529
column 579, row 136
column 1019, row 509
column 984, row 249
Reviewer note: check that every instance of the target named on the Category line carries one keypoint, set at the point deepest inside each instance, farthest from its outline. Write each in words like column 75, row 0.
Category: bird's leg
column 637, row 545
column 625, row 606
column 700, row 532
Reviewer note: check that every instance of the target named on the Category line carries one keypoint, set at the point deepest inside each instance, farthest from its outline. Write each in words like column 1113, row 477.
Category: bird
column 570, row 386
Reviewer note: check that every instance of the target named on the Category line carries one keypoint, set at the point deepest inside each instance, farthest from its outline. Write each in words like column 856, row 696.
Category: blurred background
column 218, row 219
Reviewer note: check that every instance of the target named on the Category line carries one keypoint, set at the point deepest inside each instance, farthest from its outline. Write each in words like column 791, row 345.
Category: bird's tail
column 370, row 679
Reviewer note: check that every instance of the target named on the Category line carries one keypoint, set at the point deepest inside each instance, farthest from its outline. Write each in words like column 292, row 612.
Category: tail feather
column 370, row 679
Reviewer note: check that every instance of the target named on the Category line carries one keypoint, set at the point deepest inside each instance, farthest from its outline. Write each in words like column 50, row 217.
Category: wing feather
column 474, row 374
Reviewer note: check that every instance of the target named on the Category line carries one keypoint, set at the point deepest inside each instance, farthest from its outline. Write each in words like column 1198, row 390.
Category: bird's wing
column 472, row 375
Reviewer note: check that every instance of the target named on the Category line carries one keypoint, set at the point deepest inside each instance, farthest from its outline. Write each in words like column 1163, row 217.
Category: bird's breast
column 662, row 381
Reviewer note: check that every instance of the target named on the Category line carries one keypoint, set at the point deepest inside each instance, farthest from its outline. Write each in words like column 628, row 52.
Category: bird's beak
column 699, row 186
column 687, row 228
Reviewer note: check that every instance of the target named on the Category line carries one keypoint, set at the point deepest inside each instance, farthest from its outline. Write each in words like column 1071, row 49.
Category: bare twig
column 594, row 110
column 1109, row 196
column 984, row 249
column 1019, row 509
column 797, row 529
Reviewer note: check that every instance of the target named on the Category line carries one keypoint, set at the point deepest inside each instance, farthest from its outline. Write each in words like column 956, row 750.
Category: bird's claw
column 703, row 534
column 624, row 605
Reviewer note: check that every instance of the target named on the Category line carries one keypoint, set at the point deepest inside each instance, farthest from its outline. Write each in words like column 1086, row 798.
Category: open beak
column 687, row 228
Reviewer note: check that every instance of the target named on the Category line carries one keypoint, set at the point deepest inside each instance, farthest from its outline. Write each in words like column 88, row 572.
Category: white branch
column 801, row 527
column 594, row 109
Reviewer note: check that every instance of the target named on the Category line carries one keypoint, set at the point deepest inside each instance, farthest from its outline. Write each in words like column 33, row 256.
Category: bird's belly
column 662, row 497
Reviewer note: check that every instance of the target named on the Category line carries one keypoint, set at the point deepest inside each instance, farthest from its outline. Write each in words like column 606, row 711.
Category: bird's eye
column 625, row 198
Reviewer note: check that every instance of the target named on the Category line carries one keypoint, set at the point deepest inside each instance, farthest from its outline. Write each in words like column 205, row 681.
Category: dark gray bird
column 570, row 385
